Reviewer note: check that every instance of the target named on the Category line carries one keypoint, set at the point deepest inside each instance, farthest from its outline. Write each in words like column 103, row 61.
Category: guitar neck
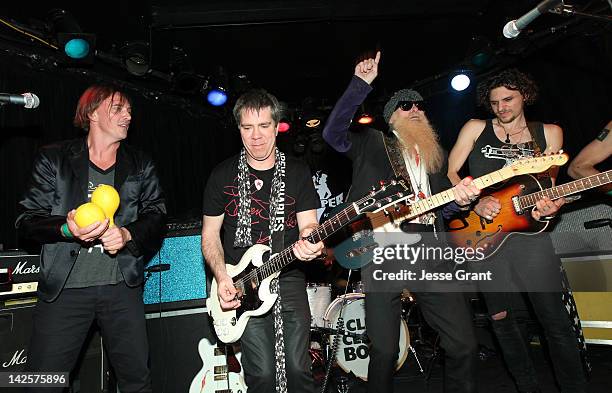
column 442, row 198
column 322, row 232
column 586, row 183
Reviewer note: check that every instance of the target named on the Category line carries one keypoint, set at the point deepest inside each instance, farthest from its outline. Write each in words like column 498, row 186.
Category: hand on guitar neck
column 466, row 191
column 305, row 250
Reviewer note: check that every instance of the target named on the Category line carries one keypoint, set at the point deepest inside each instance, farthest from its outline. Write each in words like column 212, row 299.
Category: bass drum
column 353, row 354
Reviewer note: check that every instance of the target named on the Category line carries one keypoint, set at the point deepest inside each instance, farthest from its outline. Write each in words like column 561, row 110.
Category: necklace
column 508, row 135
column 417, row 181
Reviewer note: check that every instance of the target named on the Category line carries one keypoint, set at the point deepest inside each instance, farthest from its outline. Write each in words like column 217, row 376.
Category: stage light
column 216, row 97
column 365, row 119
column 77, row 48
column 135, row 57
column 460, row 82
column 284, row 126
column 480, row 52
column 313, row 123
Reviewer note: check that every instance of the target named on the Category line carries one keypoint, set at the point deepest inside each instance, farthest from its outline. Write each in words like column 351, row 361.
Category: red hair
column 90, row 101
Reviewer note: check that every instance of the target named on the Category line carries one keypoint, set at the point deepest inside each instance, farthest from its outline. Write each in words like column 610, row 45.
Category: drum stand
column 434, row 356
column 416, row 358
column 340, row 331
column 419, row 327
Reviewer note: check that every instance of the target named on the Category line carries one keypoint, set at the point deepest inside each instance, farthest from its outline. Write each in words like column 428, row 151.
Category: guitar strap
column 532, row 126
column 277, row 244
column 539, row 141
column 396, row 158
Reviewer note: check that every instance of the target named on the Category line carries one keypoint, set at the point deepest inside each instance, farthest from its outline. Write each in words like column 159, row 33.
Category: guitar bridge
column 517, row 205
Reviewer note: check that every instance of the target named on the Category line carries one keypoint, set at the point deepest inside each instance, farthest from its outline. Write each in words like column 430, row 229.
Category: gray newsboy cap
column 401, row 95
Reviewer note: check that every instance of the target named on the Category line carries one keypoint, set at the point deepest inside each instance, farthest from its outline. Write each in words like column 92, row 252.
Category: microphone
column 514, row 27
column 602, row 222
column 162, row 267
column 28, row 100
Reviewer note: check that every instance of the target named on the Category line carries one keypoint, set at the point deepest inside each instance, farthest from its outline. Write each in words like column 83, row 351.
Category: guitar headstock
column 388, row 193
column 539, row 164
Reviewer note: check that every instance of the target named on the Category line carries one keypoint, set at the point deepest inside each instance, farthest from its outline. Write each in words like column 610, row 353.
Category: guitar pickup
column 517, row 205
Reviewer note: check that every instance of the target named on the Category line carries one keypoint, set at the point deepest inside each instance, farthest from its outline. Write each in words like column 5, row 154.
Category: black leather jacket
column 59, row 184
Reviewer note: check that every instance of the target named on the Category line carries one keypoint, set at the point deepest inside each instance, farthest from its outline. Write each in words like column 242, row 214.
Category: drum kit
column 339, row 331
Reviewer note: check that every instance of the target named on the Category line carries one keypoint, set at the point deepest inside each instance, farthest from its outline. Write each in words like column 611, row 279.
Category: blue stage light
column 76, row 48
column 216, row 97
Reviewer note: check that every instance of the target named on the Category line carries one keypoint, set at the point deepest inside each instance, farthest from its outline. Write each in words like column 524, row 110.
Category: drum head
column 319, row 298
column 353, row 354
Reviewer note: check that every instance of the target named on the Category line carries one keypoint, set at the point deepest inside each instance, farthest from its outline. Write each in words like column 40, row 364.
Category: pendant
column 507, row 138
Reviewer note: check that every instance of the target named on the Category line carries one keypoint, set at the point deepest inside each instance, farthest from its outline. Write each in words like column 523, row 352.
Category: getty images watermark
column 421, row 262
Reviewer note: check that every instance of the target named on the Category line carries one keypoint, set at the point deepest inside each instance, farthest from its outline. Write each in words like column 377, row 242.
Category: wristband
column 66, row 231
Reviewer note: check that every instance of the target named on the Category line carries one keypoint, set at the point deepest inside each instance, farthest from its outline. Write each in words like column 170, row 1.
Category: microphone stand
column 568, row 9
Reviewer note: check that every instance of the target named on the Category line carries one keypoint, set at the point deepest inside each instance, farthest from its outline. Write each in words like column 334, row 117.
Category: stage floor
column 492, row 374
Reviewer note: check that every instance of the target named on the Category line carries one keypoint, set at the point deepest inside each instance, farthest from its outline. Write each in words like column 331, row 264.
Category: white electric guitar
column 252, row 276
column 215, row 377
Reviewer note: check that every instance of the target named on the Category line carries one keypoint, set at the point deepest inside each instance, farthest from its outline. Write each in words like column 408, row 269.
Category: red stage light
column 283, row 126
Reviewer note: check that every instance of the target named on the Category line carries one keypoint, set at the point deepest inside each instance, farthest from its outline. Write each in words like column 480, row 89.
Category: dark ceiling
column 299, row 48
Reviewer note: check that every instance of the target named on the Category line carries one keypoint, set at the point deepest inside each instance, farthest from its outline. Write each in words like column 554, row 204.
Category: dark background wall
column 187, row 140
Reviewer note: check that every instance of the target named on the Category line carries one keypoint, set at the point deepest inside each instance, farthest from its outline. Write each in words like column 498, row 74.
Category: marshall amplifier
column 15, row 330
column 19, row 273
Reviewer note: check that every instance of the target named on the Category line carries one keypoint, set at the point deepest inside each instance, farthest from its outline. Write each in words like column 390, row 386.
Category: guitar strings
column 253, row 274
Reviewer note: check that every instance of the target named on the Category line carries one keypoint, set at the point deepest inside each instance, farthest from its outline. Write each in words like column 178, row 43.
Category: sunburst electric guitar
column 518, row 198
column 358, row 249
column 252, row 276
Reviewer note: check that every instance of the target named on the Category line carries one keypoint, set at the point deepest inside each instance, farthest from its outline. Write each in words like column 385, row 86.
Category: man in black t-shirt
column 262, row 197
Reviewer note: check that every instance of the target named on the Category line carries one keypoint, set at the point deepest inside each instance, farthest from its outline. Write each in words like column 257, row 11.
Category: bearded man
column 411, row 151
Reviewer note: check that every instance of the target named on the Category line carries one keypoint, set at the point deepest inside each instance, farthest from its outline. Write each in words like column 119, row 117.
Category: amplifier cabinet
column 183, row 285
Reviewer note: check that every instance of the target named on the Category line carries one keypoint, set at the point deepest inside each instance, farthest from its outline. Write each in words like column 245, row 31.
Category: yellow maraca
column 107, row 198
column 87, row 214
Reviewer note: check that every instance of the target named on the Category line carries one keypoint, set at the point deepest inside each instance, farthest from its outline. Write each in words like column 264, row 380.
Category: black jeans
column 559, row 335
column 447, row 313
column 60, row 329
column 520, row 260
column 258, row 344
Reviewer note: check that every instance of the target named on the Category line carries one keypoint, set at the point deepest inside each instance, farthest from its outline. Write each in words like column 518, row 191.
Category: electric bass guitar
column 380, row 229
column 518, row 198
column 252, row 276
column 215, row 375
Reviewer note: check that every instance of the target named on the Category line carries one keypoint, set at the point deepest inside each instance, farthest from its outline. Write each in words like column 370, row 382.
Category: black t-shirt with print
column 221, row 197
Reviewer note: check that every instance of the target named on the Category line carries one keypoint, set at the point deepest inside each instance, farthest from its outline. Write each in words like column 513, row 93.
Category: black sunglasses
column 407, row 105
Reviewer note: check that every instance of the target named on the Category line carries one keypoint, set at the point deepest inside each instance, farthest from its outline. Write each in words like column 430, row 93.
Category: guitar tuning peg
column 397, row 208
